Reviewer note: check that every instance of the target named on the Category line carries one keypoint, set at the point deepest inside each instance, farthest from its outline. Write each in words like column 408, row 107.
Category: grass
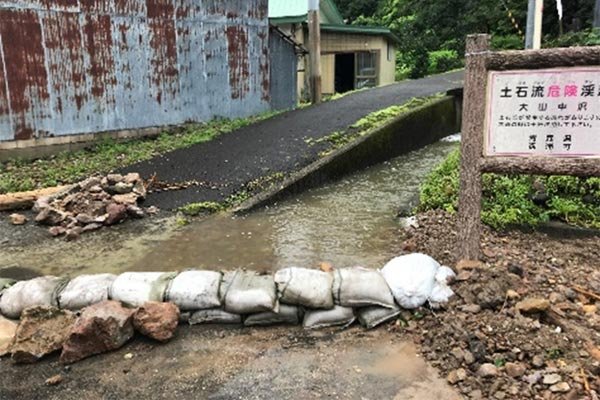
column 364, row 125
column 206, row 207
column 508, row 200
column 107, row 155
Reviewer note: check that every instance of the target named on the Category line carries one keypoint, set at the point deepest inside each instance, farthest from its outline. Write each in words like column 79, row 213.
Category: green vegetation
column 206, row 207
column 105, row 156
column 432, row 32
column 511, row 199
column 364, row 125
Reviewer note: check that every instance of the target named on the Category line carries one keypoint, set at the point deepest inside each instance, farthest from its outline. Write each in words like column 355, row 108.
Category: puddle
column 347, row 223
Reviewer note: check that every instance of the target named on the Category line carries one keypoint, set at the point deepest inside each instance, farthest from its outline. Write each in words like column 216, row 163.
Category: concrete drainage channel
column 410, row 131
column 151, row 302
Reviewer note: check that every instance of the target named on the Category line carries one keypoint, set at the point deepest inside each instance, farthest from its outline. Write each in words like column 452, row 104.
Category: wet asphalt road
column 276, row 145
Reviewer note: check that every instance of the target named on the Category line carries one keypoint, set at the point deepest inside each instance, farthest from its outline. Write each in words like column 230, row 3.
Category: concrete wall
column 79, row 67
column 410, row 131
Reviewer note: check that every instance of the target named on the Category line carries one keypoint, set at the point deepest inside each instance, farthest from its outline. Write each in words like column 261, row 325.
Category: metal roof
column 295, row 11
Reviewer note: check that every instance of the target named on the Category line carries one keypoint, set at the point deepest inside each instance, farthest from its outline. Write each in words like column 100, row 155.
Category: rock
column 140, row 189
column 456, row 376
column 561, row 387
column 84, row 219
column 538, row 361
column 127, row 199
column 512, row 295
column 113, row 179
column 152, row 210
column 116, row 213
column 458, row 353
column 471, row 308
column 533, row 378
column 42, row 331
column 469, row 358
column 50, row 216
column 57, row 231
column 89, row 183
column 123, row 188
column 41, row 204
column 157, row 320
column 132, row 178
column 128, row 356
column 73, row 234
column 551, row 379
column 17, row 219
column 468, row 265
column 487, row 370
column 589, row 309
column 556, row 298
column 514, row 370
column 91, row 227
column 491, row 295
column 516, row 269
column 533, row 305
column 101, row 327
column 54, row 380
column 7, row 334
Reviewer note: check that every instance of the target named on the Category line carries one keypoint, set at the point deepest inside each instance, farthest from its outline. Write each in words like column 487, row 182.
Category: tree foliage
column 426, row 26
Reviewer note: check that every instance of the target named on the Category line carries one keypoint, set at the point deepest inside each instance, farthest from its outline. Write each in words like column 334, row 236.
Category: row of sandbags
column 291, row 295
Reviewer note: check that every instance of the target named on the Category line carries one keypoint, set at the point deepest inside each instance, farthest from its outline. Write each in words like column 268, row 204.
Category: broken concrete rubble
column 91, row 204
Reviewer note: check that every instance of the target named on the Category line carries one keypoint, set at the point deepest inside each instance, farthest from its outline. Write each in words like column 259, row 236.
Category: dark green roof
column 361, row 30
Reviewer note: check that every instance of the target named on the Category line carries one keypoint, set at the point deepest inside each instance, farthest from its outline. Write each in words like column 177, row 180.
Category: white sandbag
column 288, row 315
column 411, row 278
column 214, row 316
column 361, row 287
column 370, row 317
column 85, row 290
column 195, row 290
column 441, row 292
column 246, row 292
column 137, row 288
column 337, row 316
column 306, row 287
column 40, row 291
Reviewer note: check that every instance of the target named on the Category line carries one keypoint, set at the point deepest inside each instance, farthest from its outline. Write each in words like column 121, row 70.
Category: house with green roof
column 352, row 57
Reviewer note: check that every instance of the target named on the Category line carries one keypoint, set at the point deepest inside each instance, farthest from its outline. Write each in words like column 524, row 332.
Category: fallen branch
column 25, row 200
column 586, row 293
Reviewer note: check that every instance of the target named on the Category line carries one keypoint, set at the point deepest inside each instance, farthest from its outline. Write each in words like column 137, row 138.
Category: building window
column 366, row 70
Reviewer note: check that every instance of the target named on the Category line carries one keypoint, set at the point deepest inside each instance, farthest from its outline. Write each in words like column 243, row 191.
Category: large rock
column 8, row 329
column 157, row 320
column 42, row 331
column 116, row 213
column 50, row 216
column 101, row 327
column 533, row 305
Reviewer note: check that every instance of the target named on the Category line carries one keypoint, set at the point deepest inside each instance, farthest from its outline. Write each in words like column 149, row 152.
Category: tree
column 352, row 9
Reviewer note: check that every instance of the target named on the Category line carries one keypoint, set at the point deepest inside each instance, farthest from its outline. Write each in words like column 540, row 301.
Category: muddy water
column 346, row 223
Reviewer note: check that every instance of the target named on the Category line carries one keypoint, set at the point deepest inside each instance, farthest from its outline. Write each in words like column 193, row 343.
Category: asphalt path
column 276, row 145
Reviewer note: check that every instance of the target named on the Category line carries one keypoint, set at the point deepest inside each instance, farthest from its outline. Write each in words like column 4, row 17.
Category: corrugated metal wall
column 284, row 71
column 83, row 66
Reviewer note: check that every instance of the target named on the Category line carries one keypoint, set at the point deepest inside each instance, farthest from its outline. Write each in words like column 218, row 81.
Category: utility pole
column 597, row 15
column 314, row 49
column 533, row 37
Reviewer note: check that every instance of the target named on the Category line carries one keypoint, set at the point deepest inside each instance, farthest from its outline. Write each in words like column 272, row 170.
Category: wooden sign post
column 526, row 112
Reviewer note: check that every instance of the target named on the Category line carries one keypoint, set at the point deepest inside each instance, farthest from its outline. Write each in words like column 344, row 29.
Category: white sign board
column 547, row 112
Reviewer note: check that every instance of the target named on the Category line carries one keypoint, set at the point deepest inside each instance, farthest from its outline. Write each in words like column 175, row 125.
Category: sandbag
column 85, row 290
column 288, row 315
column 306, row 287
column 370, row 317
column 40, row 291
column 246, row 292
column 411, row 278
column 137, row 288
column 195, row 290
column 441, row 292
column 337, row 316
column 214, row 316
column 361, row 287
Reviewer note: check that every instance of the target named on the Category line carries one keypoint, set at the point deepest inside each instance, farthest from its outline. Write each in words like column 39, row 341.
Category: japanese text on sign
column 546, row 112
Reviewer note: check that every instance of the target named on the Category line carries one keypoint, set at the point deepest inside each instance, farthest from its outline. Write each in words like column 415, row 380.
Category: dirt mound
column 524, row 323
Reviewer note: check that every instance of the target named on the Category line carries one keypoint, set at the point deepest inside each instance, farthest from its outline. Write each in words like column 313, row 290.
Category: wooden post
column 314, row 48
column 469, row 206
